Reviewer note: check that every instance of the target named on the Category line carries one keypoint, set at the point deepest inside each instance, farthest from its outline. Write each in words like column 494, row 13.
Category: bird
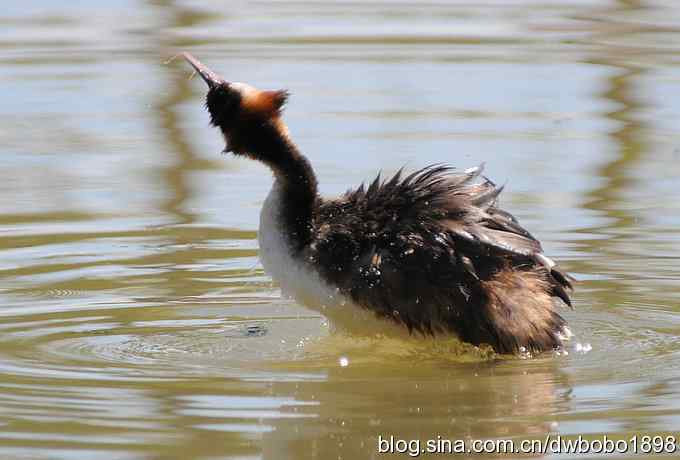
column 431, row 251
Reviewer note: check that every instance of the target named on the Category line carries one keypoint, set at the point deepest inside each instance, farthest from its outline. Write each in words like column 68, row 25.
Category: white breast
column 296, row 279
column 305, row 285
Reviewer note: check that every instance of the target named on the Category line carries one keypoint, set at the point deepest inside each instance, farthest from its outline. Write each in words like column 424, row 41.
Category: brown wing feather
column 434, row 251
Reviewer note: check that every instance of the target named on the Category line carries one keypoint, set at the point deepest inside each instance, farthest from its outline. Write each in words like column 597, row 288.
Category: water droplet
column 524, row 353
column 583, row 348
column 344, row 362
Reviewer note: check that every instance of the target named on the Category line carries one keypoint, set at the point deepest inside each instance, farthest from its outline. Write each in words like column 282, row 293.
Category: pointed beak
column 210, row 77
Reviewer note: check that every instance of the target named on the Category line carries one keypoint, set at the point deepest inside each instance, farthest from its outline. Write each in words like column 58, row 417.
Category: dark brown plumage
column 434, row 252
column 431, row 250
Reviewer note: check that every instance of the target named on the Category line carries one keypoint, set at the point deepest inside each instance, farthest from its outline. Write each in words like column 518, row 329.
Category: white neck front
column 296, row 277
column 300, row 281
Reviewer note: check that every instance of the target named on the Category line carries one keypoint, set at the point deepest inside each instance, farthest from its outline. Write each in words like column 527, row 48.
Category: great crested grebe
column 430, row 250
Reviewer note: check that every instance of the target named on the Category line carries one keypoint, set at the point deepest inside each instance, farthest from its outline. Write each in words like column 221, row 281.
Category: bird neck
column 295, row 184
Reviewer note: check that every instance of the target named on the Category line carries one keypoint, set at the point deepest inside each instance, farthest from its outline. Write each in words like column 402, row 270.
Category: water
column 136, row 322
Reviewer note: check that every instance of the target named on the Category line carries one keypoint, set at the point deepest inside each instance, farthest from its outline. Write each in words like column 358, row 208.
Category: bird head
column 246, row 116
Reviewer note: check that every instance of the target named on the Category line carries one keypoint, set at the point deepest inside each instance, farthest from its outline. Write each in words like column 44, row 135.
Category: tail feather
column 521, row 312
